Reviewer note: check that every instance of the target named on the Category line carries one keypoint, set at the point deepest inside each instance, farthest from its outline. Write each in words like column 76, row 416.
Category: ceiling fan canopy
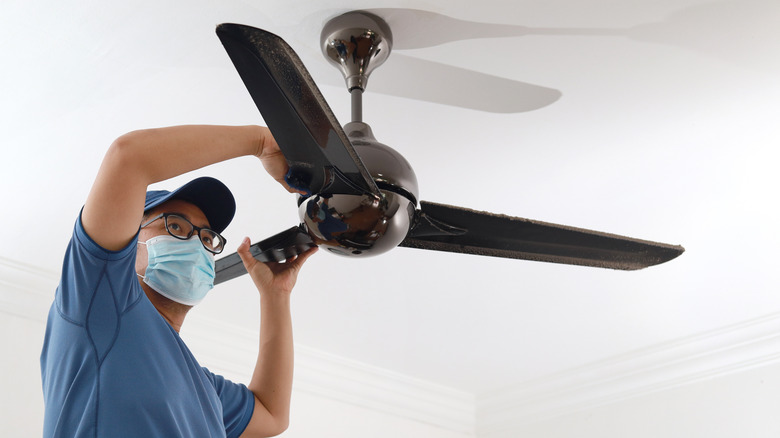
column 362, row 196
column 356, row 43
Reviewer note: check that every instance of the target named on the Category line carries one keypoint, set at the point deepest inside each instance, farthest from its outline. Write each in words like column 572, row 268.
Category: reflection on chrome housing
column 356, row 43
column 387, row 167
column 357, row 225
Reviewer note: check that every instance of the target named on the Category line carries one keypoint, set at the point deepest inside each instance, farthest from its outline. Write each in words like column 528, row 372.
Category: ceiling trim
column 231, row 351
column 26, row 291
column 727, row 350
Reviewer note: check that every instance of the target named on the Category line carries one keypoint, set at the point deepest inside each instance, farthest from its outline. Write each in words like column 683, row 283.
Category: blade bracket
column 426, row 225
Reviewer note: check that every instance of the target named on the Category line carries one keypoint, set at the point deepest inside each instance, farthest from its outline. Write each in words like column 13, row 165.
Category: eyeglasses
column 183, row 229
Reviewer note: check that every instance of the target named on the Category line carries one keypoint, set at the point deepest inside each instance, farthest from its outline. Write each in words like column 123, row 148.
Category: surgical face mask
column 181, row 270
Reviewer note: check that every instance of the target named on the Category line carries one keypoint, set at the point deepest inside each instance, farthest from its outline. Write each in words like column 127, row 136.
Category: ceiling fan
column 362, row 196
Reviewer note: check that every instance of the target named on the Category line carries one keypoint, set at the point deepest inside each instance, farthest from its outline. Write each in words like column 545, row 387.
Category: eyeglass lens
column 183, row 229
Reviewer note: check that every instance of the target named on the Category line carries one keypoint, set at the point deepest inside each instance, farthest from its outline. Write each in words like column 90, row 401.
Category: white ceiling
column 666, row 129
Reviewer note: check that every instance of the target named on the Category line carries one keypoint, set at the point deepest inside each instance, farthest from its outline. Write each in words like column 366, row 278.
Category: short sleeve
column 94, row 275
column 238, row 403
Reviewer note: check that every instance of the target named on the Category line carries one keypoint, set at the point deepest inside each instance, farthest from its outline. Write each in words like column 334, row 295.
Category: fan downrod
column 356, row 43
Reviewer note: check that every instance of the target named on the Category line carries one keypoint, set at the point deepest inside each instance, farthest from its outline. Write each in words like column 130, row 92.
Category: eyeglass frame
column 195, row 230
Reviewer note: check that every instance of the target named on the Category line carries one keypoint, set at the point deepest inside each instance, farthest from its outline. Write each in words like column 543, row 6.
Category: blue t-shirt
column 113, row 367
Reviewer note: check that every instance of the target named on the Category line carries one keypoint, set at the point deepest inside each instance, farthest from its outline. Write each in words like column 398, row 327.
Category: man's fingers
column 301, row 258
column 290, row 188
column 243, row 252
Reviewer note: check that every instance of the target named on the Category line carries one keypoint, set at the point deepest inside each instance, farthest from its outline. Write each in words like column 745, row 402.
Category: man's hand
column 272, row 277
column 273, row 160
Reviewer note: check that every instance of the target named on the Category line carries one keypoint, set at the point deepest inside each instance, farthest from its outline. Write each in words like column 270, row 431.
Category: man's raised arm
column 135, row 160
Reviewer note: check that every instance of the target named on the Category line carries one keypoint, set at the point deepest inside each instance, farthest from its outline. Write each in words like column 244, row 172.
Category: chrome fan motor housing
column 364, row 225
column 357, row 225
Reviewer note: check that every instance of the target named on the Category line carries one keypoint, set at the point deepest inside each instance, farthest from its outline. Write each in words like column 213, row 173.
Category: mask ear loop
column 143, row 277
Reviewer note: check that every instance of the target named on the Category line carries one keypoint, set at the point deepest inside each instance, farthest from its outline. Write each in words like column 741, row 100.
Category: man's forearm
column 272, row 379
column 163, row 153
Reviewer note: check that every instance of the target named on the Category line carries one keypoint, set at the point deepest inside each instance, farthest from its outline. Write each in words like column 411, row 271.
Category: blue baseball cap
column 209, row 194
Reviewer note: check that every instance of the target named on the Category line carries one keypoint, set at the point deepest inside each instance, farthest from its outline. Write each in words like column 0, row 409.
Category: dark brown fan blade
column 447, row 228
column 320, row 156
column 276, row 248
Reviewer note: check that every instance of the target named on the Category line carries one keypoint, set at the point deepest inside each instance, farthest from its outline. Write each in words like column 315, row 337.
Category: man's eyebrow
column 185, row 216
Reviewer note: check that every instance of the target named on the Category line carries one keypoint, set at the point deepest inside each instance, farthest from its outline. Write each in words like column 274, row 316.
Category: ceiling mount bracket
column 356, row 43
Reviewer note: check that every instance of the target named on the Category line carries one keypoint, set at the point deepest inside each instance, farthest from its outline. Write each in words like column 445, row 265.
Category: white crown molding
column 26, row 291
column 231, row 350
column 727, row 350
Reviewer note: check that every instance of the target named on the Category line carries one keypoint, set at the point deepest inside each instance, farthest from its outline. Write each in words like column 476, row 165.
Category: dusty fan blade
column 276, row 248
column 321, row 158
column 447, row 228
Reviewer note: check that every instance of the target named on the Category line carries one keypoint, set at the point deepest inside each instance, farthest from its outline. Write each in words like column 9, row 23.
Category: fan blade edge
column 505, row 236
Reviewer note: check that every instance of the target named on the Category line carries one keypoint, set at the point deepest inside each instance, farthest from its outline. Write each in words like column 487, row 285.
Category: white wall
column 746, row 404
column 21, row 397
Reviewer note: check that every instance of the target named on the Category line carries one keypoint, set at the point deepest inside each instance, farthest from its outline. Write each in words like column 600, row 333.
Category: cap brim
column 209, row 194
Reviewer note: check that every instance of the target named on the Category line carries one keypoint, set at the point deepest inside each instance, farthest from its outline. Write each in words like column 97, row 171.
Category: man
column 112, row 363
